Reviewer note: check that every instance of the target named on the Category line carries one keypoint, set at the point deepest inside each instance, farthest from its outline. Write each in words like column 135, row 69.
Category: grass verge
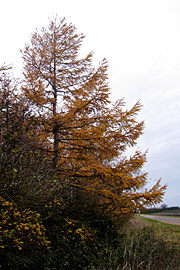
column 168, row 232
column 145, row 245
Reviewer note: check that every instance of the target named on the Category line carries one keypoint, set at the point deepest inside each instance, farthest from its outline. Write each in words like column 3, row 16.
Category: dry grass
column 146, row 246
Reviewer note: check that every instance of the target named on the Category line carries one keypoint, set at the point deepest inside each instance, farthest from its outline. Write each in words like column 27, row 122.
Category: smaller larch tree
column 84, row 134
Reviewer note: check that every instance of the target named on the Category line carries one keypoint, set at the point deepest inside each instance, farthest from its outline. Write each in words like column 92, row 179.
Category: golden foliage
column 86, row 134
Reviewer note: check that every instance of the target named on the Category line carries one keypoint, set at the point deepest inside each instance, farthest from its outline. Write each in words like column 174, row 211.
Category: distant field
column 175, row 213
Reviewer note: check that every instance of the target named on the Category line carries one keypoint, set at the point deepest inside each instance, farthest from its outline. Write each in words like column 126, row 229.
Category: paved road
column 170, row 220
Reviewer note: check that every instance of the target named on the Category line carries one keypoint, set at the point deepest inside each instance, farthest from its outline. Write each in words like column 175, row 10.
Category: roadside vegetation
column 68, row 192
column 168, row 232
column 144, row 246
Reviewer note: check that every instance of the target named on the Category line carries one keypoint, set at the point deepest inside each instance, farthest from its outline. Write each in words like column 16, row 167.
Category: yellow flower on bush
column 20, row 227
column 6, row 203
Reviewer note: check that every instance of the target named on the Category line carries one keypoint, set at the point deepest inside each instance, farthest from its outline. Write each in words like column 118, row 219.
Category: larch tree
column 85, row 134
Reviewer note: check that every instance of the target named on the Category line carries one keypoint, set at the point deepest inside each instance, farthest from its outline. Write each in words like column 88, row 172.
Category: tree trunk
column 56, row 154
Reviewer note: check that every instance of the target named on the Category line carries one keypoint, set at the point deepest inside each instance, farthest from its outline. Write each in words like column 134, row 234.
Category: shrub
column 21, row 232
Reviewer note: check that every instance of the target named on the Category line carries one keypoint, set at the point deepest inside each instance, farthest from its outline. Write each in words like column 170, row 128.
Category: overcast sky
column 141, row 41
